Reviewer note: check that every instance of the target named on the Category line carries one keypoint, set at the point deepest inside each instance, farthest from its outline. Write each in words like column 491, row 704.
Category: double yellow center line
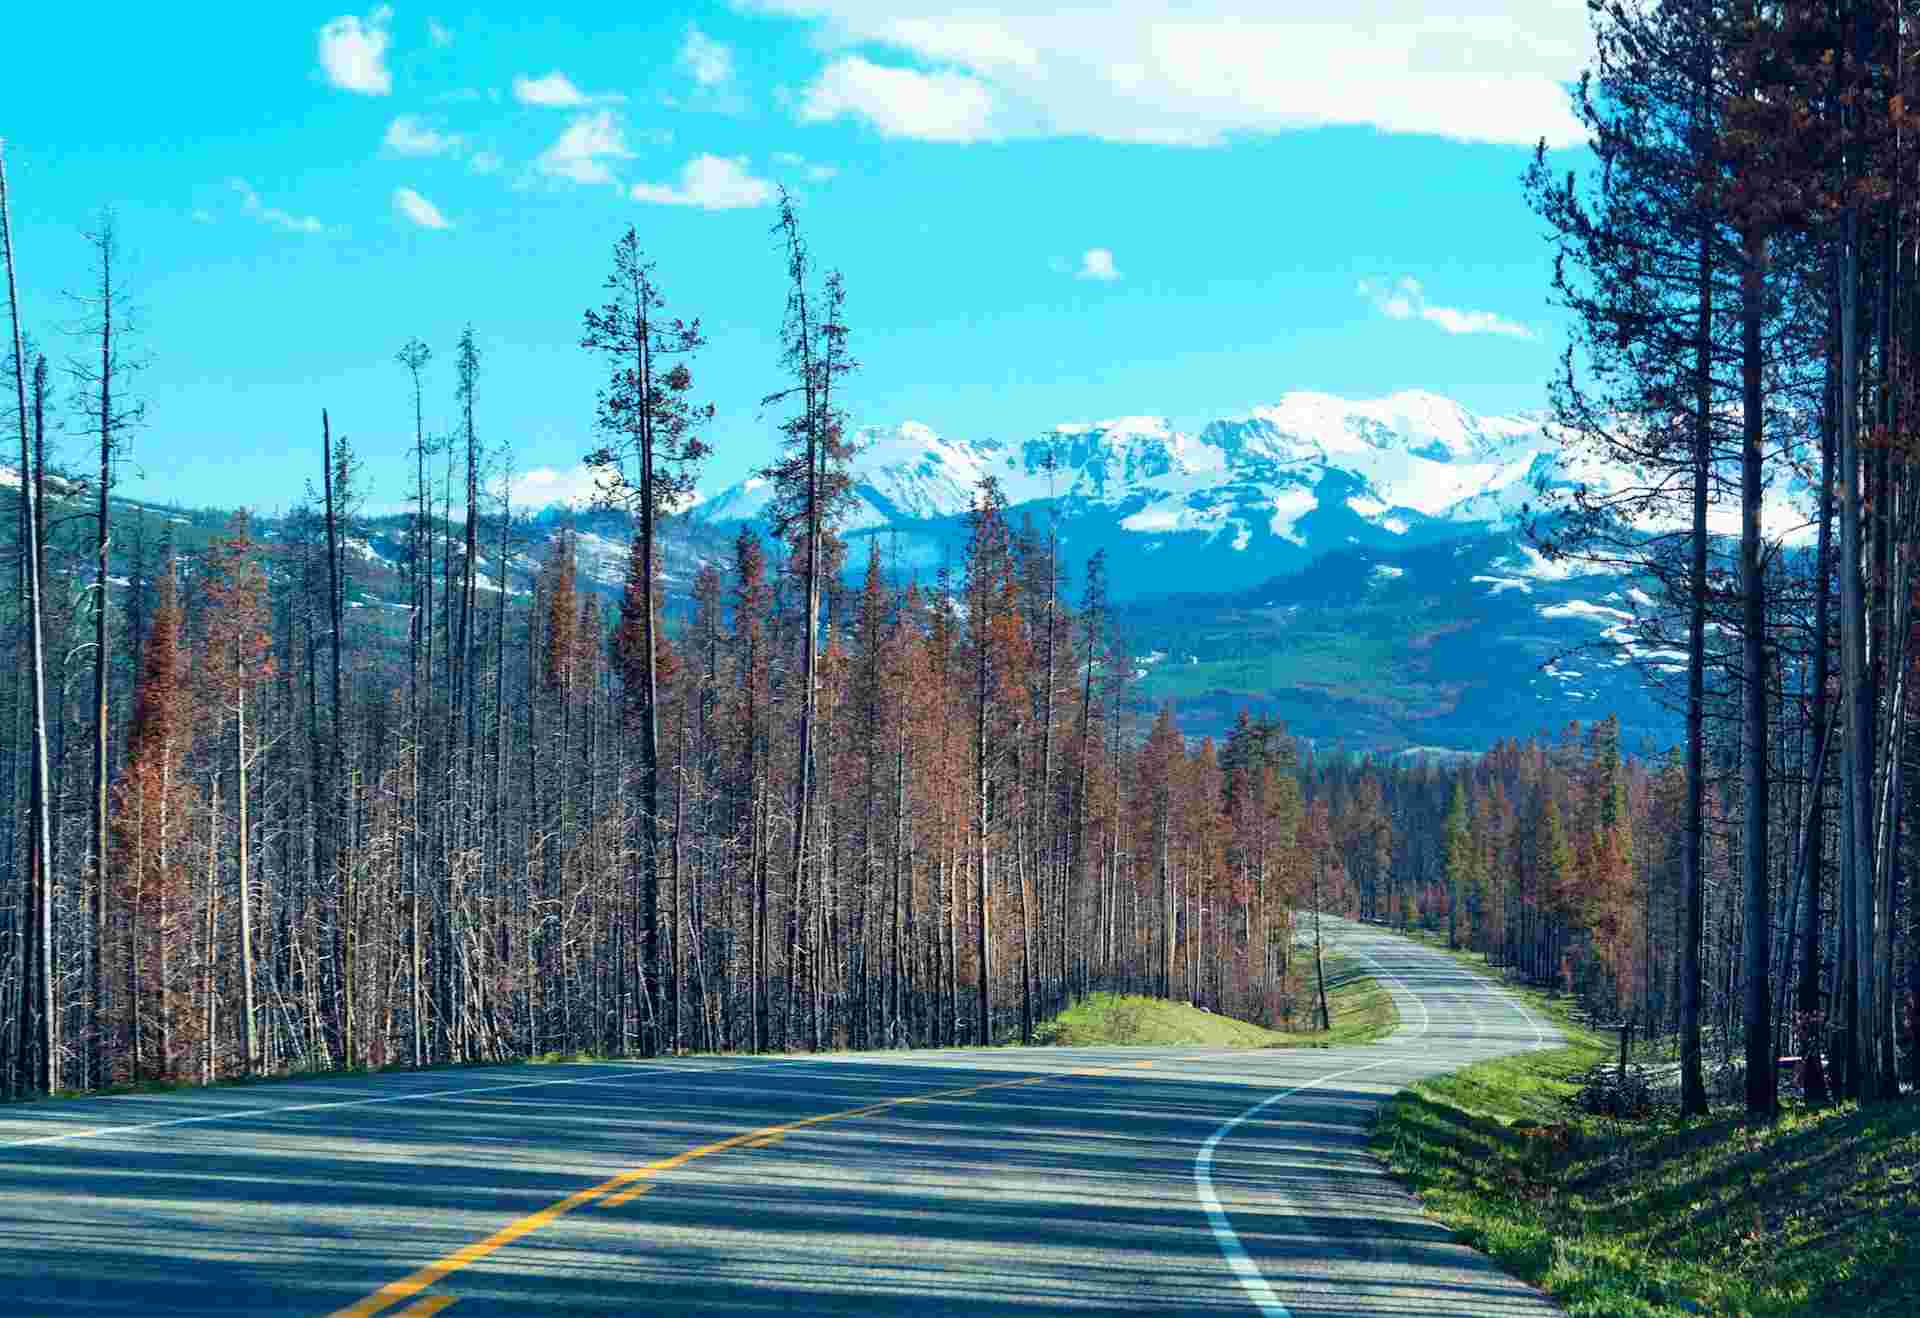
column 618, row 1189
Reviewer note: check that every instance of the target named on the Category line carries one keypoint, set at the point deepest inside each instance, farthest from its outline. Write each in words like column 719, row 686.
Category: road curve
column 1003, row 1181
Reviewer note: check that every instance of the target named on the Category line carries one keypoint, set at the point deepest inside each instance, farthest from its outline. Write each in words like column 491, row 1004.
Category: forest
column 255, row 830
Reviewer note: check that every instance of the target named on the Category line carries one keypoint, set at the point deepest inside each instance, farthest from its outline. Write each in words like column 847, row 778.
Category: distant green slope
column 1362, row 1013
column 1437, row 644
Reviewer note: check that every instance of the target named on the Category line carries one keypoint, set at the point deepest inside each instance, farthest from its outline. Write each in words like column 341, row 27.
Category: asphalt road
column 1003, row 1182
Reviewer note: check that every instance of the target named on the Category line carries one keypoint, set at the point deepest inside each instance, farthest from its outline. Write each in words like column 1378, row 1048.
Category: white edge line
column 1500, row 991
column 1426, row 1017
column 1257, row 1287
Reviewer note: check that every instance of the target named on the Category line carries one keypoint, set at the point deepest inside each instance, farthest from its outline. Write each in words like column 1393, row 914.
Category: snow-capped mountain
column 1252, row 495
column 1357, row 567
column 1246, row 498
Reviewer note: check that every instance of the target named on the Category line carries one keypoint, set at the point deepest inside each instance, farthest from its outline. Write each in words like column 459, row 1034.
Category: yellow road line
column 764, row 1141
column 395, row 1291
column 425, row 1305
column 633, row 1191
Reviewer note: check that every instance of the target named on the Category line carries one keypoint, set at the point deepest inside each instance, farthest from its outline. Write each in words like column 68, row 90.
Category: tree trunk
column 758, row 805
column 37, row 1045
column 102, row 541
column 1813, row 867
column 1857, row 886
column 420, row 664
column 982, row 919
column 1693, row 1090
column 1319, row 962
column 897, row 1036
column 1025, row 879
column 1762, row 1101
column 336, row 813
column 1046, row 778
column 208, row 1018
column 249, row 1041
column 1166, row 894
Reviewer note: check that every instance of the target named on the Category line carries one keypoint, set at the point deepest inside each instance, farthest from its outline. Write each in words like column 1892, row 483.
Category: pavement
column 1005, row 1181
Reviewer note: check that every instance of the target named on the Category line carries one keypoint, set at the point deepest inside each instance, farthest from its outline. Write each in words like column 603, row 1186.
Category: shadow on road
column 1077, row 1192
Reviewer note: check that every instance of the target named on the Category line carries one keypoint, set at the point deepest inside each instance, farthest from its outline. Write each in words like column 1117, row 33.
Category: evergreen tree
column 648, row 463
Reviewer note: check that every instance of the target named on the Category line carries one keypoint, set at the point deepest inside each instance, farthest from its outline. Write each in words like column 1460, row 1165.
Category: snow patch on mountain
column 1584, row 609
column 365, row 549
column 1532, row 563
column 744, row 502
column 1495, row 585
column 1288, row 507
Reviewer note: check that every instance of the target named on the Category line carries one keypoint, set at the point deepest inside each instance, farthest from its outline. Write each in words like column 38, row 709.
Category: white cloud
column 582, row 151
column 439, row 34
column 709, row 62
column 899, row 102
column 544, row 487
column 1139, row 71
column 485, row 162
column 553, row 89
column 410, row 135
column 353, row 52
column 812, row 170
column 714, row 183
column 1097, row 263
column 1395, row 301
column 556, row 91
column 1474, row 322
column 418, row 209
column 1404, row 299
column 279, row 219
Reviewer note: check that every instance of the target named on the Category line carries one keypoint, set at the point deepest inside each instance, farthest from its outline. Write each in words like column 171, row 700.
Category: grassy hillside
column 1362, row 1013
column 1816, row 1215
column 1434, row 644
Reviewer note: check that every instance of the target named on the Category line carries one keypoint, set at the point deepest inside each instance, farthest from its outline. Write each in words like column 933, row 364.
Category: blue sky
column 1042, row 215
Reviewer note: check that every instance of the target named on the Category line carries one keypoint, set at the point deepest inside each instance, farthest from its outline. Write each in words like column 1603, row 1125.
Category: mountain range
column 1360, row 568
column 1236, row 503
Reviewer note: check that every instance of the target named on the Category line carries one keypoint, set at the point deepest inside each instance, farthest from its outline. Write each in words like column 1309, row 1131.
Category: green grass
column 1817, row 1214
column 1351, row 663
column 1362, row 1012
column 1375, row 654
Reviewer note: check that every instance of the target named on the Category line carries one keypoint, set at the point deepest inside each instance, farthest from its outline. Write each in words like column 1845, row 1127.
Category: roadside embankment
column 1649, row 1214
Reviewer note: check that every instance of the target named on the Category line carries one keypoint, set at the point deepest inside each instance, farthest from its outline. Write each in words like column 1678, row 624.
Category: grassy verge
column 1362, row 1012
column 1818, row 1214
